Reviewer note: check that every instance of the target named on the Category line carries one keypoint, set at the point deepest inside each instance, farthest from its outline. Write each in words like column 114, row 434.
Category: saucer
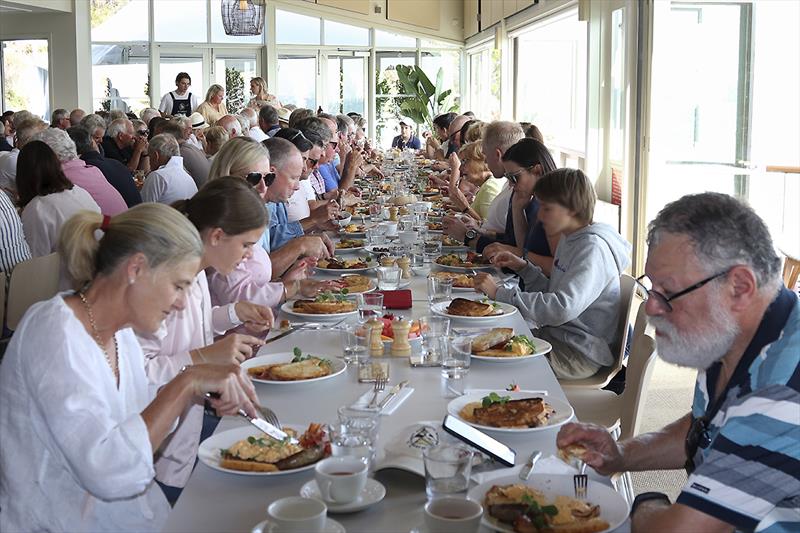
column 331, row 526
column 373, row 493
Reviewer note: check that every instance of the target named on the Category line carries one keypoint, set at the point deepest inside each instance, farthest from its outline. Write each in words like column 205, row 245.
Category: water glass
column 368, row 421
column 455, row 363
column 433, row 247
column 419, row 266
column 370, row 305
column 447, row 470
column 439, row 289
column 434, row 331
column 355, row 343
column 376, row 236
column 351, row 441
column 388, row 278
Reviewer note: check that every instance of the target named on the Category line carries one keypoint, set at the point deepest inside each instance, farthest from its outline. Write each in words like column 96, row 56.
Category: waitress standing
column 179, row 102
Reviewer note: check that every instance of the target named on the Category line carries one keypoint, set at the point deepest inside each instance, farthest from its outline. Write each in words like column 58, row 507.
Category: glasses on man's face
column 697, row 437
column 662, row 300
column 335, row 144
column 313, row 162
column 142, row 133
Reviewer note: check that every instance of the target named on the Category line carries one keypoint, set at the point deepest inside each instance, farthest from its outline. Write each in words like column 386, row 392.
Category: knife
column 269, row 429
column 392, row 393
column 281, row 335
column 525, row 473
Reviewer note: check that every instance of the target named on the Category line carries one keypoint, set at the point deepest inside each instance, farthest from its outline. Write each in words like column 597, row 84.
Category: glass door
column 24, row 70
column 297, row 79
column 233, row 69
column 346, row 85
column 171, row 61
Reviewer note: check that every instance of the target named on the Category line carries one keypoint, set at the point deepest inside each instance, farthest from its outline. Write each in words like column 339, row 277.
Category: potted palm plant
column 425, row 100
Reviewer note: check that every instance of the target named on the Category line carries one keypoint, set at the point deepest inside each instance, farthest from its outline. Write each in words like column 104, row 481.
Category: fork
column 269, row 415
column 581, row 482
column 380, row 384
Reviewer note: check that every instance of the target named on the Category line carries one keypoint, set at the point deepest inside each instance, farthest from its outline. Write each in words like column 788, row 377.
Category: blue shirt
column 330, row 175
column 413, row 142
column 280, row 229
column 749, row 474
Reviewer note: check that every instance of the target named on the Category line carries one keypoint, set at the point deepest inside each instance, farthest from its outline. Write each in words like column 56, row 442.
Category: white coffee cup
column 297, row 515
column 391, row 228
column 341, row 479
column 453, row 515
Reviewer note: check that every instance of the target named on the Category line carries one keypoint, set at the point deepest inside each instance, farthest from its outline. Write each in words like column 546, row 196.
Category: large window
column 484, row 83
column 345, row 34
column 119, row 77
column 293, row 28
column 120, row 20
column 550, row 86
column 388, row 95
column 26, row 77
column 181, row 21
column 297, row 76
column 347, row 84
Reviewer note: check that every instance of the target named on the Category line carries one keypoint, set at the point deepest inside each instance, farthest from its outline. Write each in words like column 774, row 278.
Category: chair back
column 32, row 281
column 791, row 271
column 640, row 367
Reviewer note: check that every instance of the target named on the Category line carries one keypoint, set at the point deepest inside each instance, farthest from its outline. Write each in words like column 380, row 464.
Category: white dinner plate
column 349, row 250
column 613, row 507
column 563, row 410
column 355, row 235
column 477, row 268
column 209, row 451
column 541, row 345
column 330, row 526
column 329, row 317
column 337, row 367
column 395, row 249
column 508, row 310
column 338, row 271
column 372, row 286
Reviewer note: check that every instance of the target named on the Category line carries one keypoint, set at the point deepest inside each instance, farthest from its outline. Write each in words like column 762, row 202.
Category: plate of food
column 292, row 368
column 335, row 265
column 450, row 244
column 461, row 263
column 435, row 227
column 474, row 311
column 545, row 502
column 325, row 307
column 461, row 282
column 511, row 411
column 355, row 283
column 349, row 245
column 353, row 230
column 502, row 346
column 246, row 451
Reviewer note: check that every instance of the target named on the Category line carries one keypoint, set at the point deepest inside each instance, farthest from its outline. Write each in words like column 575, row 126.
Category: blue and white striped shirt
column 749, row 476
column 13, row 247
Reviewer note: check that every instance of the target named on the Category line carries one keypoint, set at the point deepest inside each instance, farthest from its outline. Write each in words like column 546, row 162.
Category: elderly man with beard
column 717, row 304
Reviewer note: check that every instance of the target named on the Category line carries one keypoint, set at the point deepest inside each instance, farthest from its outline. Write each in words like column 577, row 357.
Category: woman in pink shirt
column 84, row 176
column 230, row 218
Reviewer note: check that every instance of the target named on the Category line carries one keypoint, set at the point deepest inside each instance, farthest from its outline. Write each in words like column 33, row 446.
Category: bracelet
column 645, row 496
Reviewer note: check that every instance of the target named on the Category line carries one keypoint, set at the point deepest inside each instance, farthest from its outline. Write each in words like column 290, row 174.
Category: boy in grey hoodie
column 577, row 308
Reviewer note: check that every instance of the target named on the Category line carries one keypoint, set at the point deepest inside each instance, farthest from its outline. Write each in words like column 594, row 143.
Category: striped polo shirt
column 749, row 476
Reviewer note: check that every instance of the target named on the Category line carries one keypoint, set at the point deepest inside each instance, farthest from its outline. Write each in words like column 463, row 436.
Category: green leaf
column 551, row 510
column 297, row 351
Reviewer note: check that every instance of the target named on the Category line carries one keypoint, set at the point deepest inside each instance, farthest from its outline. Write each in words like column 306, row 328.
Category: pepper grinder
column 405, row 266
column 393, row 214
column 375, row 327
column 400, row 346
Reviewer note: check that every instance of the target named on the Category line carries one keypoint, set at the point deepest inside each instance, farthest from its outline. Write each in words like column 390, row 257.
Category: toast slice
column 528, row 412
column 323, row 308
column 232, row 463
column 496, row 336
column 464, row 307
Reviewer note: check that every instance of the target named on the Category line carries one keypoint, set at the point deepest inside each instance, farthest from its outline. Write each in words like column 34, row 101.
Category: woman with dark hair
column 230, row 217
column 47, row 198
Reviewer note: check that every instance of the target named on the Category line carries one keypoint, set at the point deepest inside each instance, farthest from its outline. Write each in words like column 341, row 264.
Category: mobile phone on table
column 480, row 440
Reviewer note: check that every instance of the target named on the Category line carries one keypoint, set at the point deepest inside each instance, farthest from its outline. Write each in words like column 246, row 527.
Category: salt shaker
column 405, row 266
column 400, row 345
column 375, row 328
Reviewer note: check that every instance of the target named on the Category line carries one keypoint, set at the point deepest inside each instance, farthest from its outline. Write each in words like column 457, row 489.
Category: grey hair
column 183, row 121
column 280, row 151
column 59, row 141
column 243, row 123
column 115, row 114
column 315, row 130
column 724, row 232
column 118, row 126
column 136, row 123
column 148, row 113
column 213, row 90
column 251, row 116
column 21, row 116
column 92, row 122
column 27, row 129
column 58, row 114
column 501, row 134
column 165, row 144
column 344, row 123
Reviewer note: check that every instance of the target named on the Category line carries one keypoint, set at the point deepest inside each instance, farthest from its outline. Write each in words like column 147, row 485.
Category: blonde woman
column 258, row 88
column 216, row 136
column 80, row 420
column 213, row 107
column 470, row 166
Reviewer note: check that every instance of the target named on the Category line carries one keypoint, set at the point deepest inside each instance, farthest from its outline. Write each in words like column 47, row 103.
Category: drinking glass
column 348, row 440
column 370, row 305
column 455, row 364
column 418, row 265
column 433, row 247
column 439, row 289
column 368, row 421
column 447, row 470
column 388, row 278
column 376, row 236
column 434, row 331
column 355, row 343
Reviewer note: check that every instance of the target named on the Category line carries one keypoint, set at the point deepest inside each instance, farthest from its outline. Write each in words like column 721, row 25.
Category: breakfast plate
column 507, row 310
column 562, row 411
column 317, row 317
column 337, row 366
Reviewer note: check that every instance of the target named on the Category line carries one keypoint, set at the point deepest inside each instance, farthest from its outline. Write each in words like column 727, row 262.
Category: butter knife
column 525, row 473
column 392, row 393
column 262, row 425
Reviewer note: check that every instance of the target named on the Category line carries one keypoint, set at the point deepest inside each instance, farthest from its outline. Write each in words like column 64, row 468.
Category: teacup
column 341, row 479
column 295, row 515
column 453, row 515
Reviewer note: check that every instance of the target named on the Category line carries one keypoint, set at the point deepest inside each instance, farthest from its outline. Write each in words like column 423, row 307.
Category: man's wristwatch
column 646, row 496
column 471, row 234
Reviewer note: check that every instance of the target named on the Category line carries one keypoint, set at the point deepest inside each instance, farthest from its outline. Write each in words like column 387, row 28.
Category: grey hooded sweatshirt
column 579, row 304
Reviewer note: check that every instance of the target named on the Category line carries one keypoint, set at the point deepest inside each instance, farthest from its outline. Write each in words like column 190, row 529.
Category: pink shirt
column 166, row 352
column 92, row 180
column 250, row 281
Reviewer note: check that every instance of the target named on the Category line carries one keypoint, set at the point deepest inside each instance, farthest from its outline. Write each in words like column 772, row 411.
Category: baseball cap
column 404, row 449
column 404, row 123
column 198, row 122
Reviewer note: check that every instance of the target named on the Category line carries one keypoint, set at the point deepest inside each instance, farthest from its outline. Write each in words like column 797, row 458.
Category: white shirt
column 498, row 210
column 75, row 453
column 169, row 183
column 43, row 217
column 166, row 101
column 297, row 208
column 8, row 169
column 194, row 141
column 257, row 134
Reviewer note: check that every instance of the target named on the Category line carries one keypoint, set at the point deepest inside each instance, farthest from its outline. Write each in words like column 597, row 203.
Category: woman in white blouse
column 47, row 198
column 79, row 420
column 231, row 218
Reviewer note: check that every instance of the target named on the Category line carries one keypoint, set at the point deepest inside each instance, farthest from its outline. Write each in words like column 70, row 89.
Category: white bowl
column 345, row 221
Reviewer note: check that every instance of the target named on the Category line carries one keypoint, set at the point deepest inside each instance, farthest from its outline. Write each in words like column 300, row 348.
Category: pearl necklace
column 96, row 334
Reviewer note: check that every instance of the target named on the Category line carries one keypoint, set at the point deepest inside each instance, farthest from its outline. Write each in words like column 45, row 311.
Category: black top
column 535, row 240
column 4, row 146
column 117, row 175
column 112, row 151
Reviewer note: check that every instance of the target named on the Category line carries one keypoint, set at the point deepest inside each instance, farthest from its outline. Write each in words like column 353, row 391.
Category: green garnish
column 329, row 296
column 297, row 352
column 493, row 398
column 522, row 339
column 537, row 513
column 299, row 357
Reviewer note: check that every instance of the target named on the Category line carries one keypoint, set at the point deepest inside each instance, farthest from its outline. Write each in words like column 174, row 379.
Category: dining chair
column 627, row 290
column 791, row 270
column 32, row 281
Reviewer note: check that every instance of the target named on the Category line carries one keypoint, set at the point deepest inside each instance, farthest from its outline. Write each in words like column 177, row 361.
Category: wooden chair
column 627, row 290
column 32, row 281
column 791, row 271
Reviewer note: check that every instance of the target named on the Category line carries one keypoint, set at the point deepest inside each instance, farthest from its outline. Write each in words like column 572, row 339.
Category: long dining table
column 215, row 501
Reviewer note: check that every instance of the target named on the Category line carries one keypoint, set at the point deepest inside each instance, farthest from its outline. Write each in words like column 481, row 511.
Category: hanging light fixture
column 243, row 17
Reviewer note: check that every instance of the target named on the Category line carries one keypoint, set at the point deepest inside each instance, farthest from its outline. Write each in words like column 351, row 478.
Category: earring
column 130, row 281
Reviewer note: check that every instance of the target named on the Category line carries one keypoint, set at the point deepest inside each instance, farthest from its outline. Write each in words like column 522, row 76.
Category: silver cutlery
column 525, row 473
column 581, row 483
column 273, row 430
column 392, row 393
column 380, row 385
column 269, row 415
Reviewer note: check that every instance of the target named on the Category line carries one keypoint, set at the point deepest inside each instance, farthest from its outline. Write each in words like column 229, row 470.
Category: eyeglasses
column 142, row 132
column 664, row 301
column 335, row 144
column 254, row 178
column 313, row 162
column 298, row 134
column 696, row 437
column 513, row 177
